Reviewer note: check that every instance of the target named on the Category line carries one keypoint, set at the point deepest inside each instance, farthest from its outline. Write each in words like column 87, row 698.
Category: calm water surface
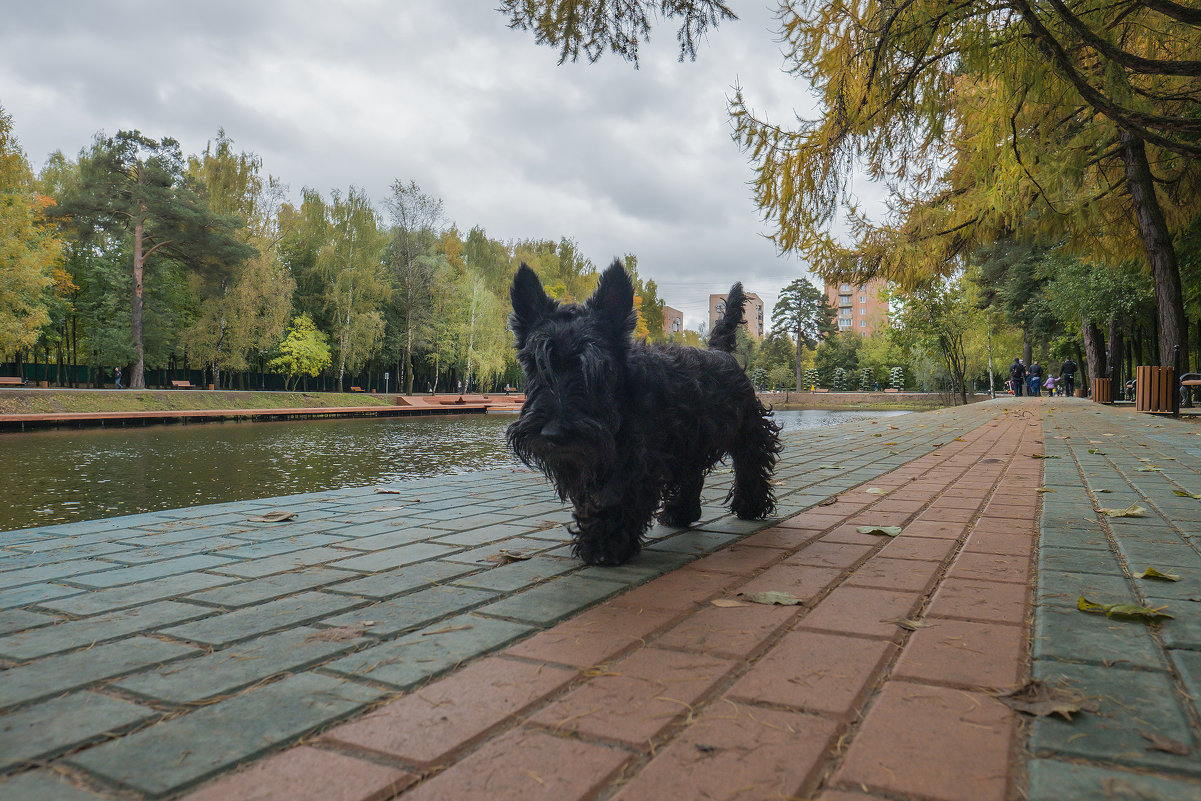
column 63, row 475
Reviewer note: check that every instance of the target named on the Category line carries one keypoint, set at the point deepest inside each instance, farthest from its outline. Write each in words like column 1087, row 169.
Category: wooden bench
column 356, row 389
column 182, row 385
column 1187, row 382
column 11, row 381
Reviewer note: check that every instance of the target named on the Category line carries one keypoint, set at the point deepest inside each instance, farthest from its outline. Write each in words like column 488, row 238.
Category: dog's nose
column 553, row 432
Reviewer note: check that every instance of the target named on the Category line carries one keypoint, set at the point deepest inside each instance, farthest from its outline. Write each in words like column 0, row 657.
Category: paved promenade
column 381, row 645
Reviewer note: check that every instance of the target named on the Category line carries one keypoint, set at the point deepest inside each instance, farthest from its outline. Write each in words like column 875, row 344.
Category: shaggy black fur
column 621, row 426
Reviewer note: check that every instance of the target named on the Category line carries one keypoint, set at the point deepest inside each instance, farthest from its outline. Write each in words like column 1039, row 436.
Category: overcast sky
column 441, row 92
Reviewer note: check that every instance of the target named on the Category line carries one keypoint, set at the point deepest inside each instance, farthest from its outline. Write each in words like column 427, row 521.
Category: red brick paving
column 661, row 694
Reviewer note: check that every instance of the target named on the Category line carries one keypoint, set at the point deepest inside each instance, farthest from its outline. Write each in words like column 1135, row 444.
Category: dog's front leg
column 610, row 522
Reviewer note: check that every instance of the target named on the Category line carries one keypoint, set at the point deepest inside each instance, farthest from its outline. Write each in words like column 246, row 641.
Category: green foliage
column 803, row 311
column 896, row 378
column 29, row 249
column 304, row 351
column 811, row 379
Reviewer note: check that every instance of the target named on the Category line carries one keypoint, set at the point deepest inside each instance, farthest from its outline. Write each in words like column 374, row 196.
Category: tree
column 246, row 312
column 413, row 264
column 803, row 311
column 304, row 351
column 1084, row 115
column 133, row 186
column 939, row 318
column 29, row 249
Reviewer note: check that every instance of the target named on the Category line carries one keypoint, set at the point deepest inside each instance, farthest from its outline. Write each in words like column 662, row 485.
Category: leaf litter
column 271, row 517
column 1152, row 573
column 1124, row 611
column 772, row 598
column 886, row 531
column 1041, row 699
column 1133, row 510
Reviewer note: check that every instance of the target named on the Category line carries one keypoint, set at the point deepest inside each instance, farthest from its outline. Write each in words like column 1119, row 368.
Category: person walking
column 1067, row 372
column 1017, row 373
column 1036, row 378
column 117, row 375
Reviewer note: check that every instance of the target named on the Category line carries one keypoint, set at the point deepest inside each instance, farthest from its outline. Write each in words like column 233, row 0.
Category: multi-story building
column 673, row 321
column 861, row 308
column 752, row 312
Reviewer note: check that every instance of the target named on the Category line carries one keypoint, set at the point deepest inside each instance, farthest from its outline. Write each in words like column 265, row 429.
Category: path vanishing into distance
column 434, row 639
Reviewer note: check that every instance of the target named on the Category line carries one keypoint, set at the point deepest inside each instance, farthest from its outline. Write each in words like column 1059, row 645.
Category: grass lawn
column 49, row 401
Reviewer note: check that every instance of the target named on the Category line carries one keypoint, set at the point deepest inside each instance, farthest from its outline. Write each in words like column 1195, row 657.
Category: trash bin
column 1154, row 389
column 1102, row 390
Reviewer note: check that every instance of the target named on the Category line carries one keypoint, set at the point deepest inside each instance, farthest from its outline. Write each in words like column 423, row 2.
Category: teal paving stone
column 1069, row 635
column 151, row 571
column 483, row 535
column 642, row 568
column 205, row 516
column 158, row 553
column 322, row 525
column 50, row 728
column 1188, row 664
column 414, row 610
column 457, row 511
column 1164, row 549
column 254, row 591
column 180, row 535
column 1129, row 701
column 695, row 542
column 420, row 656
column 406, row 579
column 1053, row 780
column 89, row 631
column 35, row 594
column 396, row 557
column 517, row 575
column 174, row 754
column 22, row 619
column 20, row 558
column 483, row 555
column 58, row 674
column 51, row 572
column 1184, row 630
column 732, row 525
column 1078, row 560
column 45, row 785
column 1092, row 537
column 270, row 565
column 557, row 532
column 97, row 601
column 552, row 601
column 354, row 530
column 252, row 621
column 393, row 539
column 231, row 669
column 1188, row 586
column 1057, row 588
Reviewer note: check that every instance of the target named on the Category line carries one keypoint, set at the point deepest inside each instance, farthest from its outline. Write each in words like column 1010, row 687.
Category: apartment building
column 861, row 308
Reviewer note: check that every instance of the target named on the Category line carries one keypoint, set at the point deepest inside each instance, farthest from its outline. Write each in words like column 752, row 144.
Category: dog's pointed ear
column 613, row 302
column 530, row 303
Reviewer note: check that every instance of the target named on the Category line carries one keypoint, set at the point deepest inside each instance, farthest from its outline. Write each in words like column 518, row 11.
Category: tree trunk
column 1094, row 350
column 1157, row 241
column 1027, row 348
column 137, row 379
column 798, row 359
column 1115, row 350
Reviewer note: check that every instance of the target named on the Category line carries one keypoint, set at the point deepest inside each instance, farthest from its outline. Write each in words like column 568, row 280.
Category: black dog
column 619, row 425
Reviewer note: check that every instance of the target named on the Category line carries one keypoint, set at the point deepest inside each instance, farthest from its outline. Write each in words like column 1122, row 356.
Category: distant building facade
column 861, row 308
column 752, row 312
column 673, row 321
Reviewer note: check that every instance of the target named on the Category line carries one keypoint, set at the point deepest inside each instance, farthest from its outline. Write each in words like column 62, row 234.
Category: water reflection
column 63, row 475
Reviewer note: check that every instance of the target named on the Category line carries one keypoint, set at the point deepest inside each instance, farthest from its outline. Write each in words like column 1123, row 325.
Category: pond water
column 64, row 475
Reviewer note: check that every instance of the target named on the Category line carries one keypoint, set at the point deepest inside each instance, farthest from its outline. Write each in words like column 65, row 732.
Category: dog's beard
column 575, row 464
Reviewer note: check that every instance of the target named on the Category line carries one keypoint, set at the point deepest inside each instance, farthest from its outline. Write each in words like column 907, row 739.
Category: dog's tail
column 724, row 335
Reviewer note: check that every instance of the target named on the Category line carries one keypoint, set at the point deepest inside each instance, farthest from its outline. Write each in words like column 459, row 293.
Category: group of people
column 1030, row 379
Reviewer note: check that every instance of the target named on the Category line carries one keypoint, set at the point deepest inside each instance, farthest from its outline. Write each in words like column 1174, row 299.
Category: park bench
column 182, row 385
column 356, row 389
column 1187, row 382
column 11, row 381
